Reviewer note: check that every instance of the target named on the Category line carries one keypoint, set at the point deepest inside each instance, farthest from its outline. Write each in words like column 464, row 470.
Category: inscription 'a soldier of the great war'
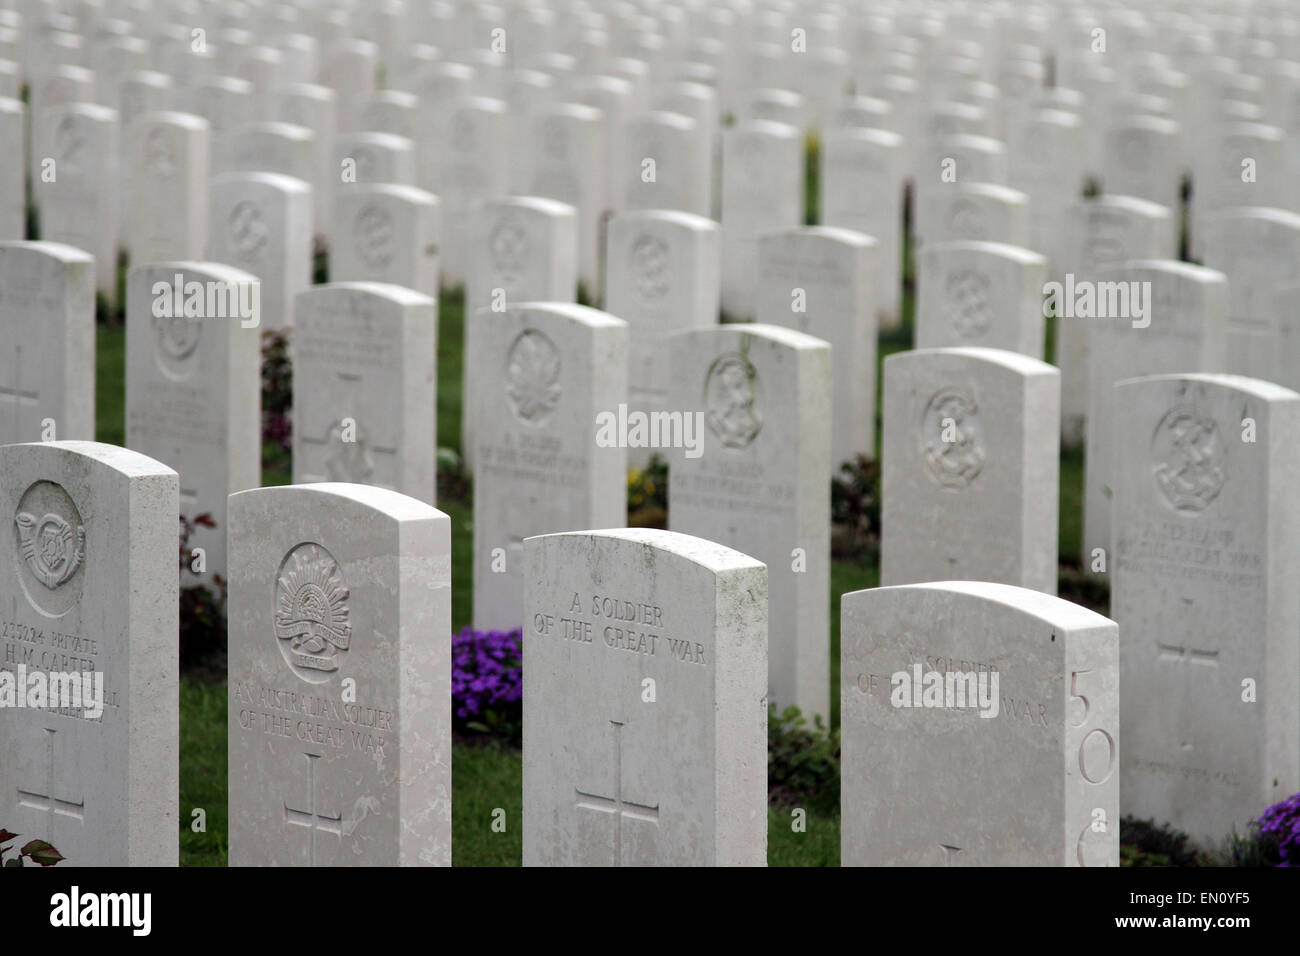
column 312, row 623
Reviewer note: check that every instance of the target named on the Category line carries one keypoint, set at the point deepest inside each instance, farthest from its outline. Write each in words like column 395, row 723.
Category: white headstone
column 823, row 281
column 193, row 388
column 365, row 387
column 538, row 467
column 982, row 211
column 525, row 249
column 261, row 223
column 1183, row 328
column 13, row 189
column 79, row 202
column 662, row 276
column 166, row 219
column 88, row 587
column 987, row 294
column 862, row 189
column 970, row 468
column 762, row 191
column 666, row 162
column 924, row 782
column 622, row 791
column 384, row 232
column 758, row 479
column 1207, row 553
column 339, row 585
column 47, row 309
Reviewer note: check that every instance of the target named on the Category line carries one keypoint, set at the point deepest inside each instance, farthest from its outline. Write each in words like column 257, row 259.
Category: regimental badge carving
column 52, row 547
column 373, row 234
column 176, row 336
column 248, row 232
column 50, row 539
column 952, row 439
column 160, row 153
column 966, row 220
column 1187, row 459
column 650, row 268
column 733, row 398
column 349, row 460
column 970, row 302
column 508, row 247
column 312, row 624
column 70, row 146
column 533, row 376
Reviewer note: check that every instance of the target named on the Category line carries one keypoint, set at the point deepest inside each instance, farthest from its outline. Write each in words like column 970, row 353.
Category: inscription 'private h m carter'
column 622, row 625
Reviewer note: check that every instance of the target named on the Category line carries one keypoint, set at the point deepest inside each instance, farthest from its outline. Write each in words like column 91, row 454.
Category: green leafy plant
column 202, row 614
column 855, row 511
column 1143, row 843
column 803, row 763
column 647, row 495
column 454, row 482
column 38, row 852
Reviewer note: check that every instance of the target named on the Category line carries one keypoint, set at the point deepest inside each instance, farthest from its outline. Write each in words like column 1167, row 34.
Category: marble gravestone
column 1184, row 331
column 862, row 189
column 365, row 387
column 926, row 777
column 524, row 249
column 79, row 205
column 762, row 191
column 822, row 281
column 88, row 587
column 386, row 232
column 261, row 223
column 538, row 466
column 1258, row 249
column 1207, row 553
column 473, row 164
column 972, row 293
column 971, row 468
column 623, row 790
column 1104, row 232
column 569, row 165
column 665, row 162
column 193, row 388
column 168, row 162
column 758, row 398
column 47, row 364
column 338, row 585
column 981, row 211
column 662, row 276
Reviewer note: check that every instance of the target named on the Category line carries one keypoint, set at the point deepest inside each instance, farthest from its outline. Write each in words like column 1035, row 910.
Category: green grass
column 203, row 772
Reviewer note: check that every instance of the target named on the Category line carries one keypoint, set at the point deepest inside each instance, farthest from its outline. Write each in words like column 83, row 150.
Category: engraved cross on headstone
column 48, row 802
column 334, row 459
column 311, row 818
column 616, row 805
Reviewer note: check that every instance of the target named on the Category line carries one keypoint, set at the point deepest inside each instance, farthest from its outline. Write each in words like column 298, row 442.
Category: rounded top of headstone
column 538, row 204
column 1053, row 611
column 43, row 247
column 129, row 463
column 190, row 121
column 1013, row 361
column 705, row 553
column 665, row 118
column 280, row 128
column 1170, row 267
column 1129, row 204
column 1000, row 250
column 217, row 271
column 668, row 217
column 402, row 191
column 744, row 331
column 277, row 181
column 593, row 318
column 1283, row 217
column 995, row 191
column 1258, row 387
column 820, row 235
column 392, row 504
column 865, row 134
column 399, row 294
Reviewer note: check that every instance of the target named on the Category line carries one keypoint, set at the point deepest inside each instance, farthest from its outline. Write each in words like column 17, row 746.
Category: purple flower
column 485, row 671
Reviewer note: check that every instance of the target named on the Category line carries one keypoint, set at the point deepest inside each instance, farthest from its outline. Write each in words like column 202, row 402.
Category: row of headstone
column 339, row 720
